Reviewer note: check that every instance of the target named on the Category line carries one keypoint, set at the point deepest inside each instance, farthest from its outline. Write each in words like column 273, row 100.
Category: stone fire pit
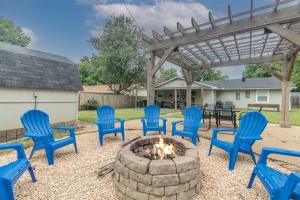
column 139, row 176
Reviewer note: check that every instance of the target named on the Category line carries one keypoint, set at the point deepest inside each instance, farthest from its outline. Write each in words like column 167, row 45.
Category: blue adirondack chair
column 281, row 186
column 37, row 127
column 106, row 122
column 191, row 123
column 11, row 172
column 251, row 127
column 151, row 120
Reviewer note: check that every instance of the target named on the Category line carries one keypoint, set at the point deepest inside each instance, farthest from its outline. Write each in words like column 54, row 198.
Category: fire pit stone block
column 165, row 180
column 159, row 167
column 185, row 163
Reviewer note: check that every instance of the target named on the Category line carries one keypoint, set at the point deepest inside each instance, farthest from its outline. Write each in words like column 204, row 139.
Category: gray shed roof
column 25, row 68
column 249, row 83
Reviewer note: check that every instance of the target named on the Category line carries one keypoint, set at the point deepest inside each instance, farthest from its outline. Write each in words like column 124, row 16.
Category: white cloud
column 28, row 32
column 154, row 17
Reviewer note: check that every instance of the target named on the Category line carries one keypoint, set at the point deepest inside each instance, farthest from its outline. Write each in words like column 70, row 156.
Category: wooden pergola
column 259, row 35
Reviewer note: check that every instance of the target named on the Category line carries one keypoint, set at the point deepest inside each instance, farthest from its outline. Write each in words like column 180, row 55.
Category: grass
column 123, row 113
column 272, row 116
column 27, row 142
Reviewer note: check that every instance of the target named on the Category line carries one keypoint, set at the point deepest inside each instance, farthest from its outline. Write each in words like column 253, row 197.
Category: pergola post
column 150, row 79
column 175, row 99
column 287, row 69
column 152, row 70
column 188, row 79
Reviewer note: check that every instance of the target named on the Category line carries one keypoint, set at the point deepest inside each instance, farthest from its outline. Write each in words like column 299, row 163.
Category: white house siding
column 60, row 105
column 230, row 95
column 209, row 97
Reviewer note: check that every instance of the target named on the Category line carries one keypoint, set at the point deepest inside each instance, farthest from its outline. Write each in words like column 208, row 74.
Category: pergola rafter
column 258, row 35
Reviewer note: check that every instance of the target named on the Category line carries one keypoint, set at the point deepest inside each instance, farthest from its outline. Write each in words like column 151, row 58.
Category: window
column 237, row 95
column 247, row 94
column 262, row 96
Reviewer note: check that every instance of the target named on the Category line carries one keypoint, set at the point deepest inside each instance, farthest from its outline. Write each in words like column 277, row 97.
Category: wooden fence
column 117, row 101
column 295, row 102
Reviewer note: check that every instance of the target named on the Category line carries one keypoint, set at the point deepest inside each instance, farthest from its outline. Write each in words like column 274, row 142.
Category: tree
column 10, row 33
column 120, row 61
column 255, row 71
column 166, row 74
column 85, row 71
column 208, row 75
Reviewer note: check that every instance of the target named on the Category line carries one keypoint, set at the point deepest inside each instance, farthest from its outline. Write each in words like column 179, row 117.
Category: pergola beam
column 240, row 62
column 271, row 71
column 285, row 33
column 285, row 15
column 162, row 60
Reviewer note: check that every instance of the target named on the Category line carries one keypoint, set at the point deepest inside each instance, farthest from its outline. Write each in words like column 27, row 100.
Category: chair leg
column 50, row 156
column 251, row 180
column 232, row 160
column 123, row 136
column 75, row 147
column 115, row 134
column 101, row 139
column 32, row 174
column 210, row 148
column 253, row 157
column 145, row 132
column 159, row 132
column 6, row 191
column 31, row 153
column 194, row 139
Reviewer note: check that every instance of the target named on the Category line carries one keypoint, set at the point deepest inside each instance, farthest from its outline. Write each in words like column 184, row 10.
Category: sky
column 63, row 27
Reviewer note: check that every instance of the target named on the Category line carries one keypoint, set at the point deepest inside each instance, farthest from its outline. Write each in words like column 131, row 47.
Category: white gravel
column 74, row 176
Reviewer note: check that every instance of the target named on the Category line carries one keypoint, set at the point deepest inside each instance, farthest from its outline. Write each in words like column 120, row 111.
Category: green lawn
column 123, row 113
column 273, row 117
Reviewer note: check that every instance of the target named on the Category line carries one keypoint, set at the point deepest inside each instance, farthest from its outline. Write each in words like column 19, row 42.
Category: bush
column 91, row 104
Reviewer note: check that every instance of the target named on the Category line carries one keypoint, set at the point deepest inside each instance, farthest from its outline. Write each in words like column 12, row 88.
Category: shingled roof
column 26, row 68
column 248, row 83
column 234, row 84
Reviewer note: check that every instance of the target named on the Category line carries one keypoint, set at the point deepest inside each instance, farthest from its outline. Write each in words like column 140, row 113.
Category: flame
column 163, row 149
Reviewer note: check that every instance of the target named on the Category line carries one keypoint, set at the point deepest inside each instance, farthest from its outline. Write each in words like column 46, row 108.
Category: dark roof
column 251, row 83
column 26, row 68
column 295, row 94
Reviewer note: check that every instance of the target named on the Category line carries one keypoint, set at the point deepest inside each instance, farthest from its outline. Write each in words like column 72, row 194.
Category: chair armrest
column 162, row 118
column 17, row 146
column 250, row 138
column 120, row 120
column 65, row 128
column 177, row 122
column 266, row 151
column 217, row 130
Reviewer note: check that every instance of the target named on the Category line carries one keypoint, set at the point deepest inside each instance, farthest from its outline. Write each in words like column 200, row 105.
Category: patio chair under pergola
column 259, row 35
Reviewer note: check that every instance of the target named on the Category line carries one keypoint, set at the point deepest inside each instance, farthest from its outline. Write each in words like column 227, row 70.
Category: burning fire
column 163, row 149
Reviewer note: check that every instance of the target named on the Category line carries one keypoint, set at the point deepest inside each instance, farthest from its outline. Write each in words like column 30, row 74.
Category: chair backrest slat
column 37, row 123
column 106, row 115
column 152, row 114
column 192, row 117
column 252, row 124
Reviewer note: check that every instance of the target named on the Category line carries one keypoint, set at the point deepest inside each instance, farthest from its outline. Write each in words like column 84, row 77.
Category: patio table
column 226, row 114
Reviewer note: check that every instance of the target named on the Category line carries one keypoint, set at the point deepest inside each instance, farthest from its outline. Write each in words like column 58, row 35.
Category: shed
column 33, row 79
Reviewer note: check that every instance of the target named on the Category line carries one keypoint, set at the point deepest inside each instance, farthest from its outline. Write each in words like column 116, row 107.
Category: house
column 102, row 94
column 239, row 92
column 33, row 79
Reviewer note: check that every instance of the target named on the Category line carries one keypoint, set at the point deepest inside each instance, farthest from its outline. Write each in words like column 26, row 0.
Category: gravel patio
column 74, row 176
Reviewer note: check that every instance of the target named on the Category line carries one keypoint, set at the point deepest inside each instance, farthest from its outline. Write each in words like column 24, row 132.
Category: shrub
column 91, row 104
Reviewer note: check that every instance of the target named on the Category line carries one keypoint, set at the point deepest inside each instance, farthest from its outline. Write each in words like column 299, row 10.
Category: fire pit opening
column 157, row 167
column 158, row 148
